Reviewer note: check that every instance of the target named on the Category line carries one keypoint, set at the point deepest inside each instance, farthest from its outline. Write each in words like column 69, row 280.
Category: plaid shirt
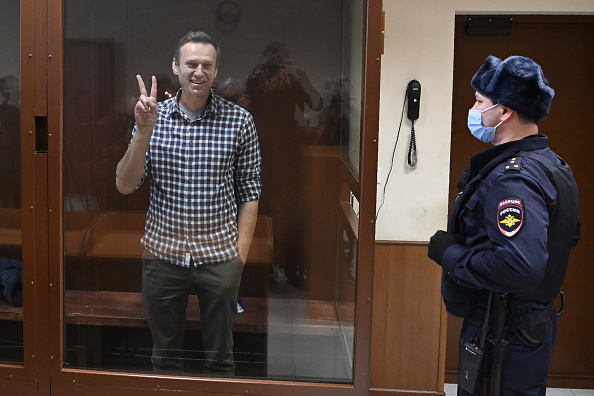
column 200, row 171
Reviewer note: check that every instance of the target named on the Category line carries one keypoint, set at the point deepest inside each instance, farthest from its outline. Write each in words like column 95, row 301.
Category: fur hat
column 516, row 82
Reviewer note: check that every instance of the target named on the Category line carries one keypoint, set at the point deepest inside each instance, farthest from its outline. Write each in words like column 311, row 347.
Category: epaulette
column 512, row 164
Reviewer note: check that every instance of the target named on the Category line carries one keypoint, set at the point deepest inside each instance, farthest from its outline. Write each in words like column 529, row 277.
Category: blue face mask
column 475, row 124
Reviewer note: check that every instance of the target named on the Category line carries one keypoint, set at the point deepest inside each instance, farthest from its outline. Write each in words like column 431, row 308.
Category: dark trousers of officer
column 524, row 369
column 165, row 291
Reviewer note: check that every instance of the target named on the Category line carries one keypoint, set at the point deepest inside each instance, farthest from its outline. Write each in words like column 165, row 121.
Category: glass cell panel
column 297, row 68
column 11, row 295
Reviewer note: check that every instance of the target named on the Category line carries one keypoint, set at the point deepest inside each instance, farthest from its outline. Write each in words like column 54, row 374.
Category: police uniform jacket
column 505, row 222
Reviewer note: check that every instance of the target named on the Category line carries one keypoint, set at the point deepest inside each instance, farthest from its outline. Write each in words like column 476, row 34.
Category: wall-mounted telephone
column 413, row 94
column 413, row 97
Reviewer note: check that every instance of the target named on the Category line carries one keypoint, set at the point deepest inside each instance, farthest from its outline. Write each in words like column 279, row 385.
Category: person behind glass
column 278, row 91
column 10, row 136
column 230, row 89
column 204, row 160
column 333, row 121
column 510, row 231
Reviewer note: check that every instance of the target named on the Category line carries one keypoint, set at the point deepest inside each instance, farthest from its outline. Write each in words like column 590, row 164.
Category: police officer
column 511, row 229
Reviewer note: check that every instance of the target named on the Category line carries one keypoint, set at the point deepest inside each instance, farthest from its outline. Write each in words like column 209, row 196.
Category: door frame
column 33, row 202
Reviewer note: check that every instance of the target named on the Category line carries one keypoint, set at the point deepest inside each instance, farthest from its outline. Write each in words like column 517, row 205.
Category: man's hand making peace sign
column 145, row 111
column 130, row 169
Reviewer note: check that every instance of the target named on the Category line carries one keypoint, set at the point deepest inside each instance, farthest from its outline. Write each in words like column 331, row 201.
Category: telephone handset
column 413, row 94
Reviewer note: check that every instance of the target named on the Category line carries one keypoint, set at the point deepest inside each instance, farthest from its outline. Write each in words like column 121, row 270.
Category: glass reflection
column 11, row 278
column 298, row 286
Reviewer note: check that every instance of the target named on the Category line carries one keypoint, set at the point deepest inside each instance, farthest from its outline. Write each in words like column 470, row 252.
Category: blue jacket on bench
column 11, row 281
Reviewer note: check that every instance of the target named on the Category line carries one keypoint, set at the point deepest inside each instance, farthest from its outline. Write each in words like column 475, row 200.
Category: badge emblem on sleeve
column 510, row 216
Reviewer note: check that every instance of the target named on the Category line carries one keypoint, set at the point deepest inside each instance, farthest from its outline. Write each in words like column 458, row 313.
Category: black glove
column 440, row 242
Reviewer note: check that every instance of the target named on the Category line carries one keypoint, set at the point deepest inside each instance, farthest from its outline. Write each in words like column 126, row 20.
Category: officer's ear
column 506, row 112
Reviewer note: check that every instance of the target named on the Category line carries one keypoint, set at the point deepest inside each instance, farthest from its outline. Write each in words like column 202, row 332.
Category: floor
column 296, row 347
column 302, row 349
column 292, row 341
column 450, row 390
column 301, row 344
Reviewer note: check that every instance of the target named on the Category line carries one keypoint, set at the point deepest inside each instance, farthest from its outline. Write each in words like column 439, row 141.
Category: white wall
column 419, row 44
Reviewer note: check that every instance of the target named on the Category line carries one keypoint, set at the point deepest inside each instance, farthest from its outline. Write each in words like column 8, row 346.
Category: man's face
column 481, row 102
column 492, row 116
column 274, row 56
column 197, row 70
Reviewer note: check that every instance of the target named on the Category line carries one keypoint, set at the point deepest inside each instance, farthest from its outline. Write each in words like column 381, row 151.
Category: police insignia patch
column 510, row 216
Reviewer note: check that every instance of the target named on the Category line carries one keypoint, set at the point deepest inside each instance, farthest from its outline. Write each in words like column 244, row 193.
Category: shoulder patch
column 512, row 164
column 510, row 216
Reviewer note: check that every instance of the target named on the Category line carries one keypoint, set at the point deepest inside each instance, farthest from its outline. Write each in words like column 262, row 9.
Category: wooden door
column 562, row 45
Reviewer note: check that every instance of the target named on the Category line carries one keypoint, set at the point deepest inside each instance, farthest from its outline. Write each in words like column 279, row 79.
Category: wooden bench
column 10, row 312
column 124, row 309
column 92, row 239
column 117, row 235
column 95, row 241
column 97, row 317
column 96, row 314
